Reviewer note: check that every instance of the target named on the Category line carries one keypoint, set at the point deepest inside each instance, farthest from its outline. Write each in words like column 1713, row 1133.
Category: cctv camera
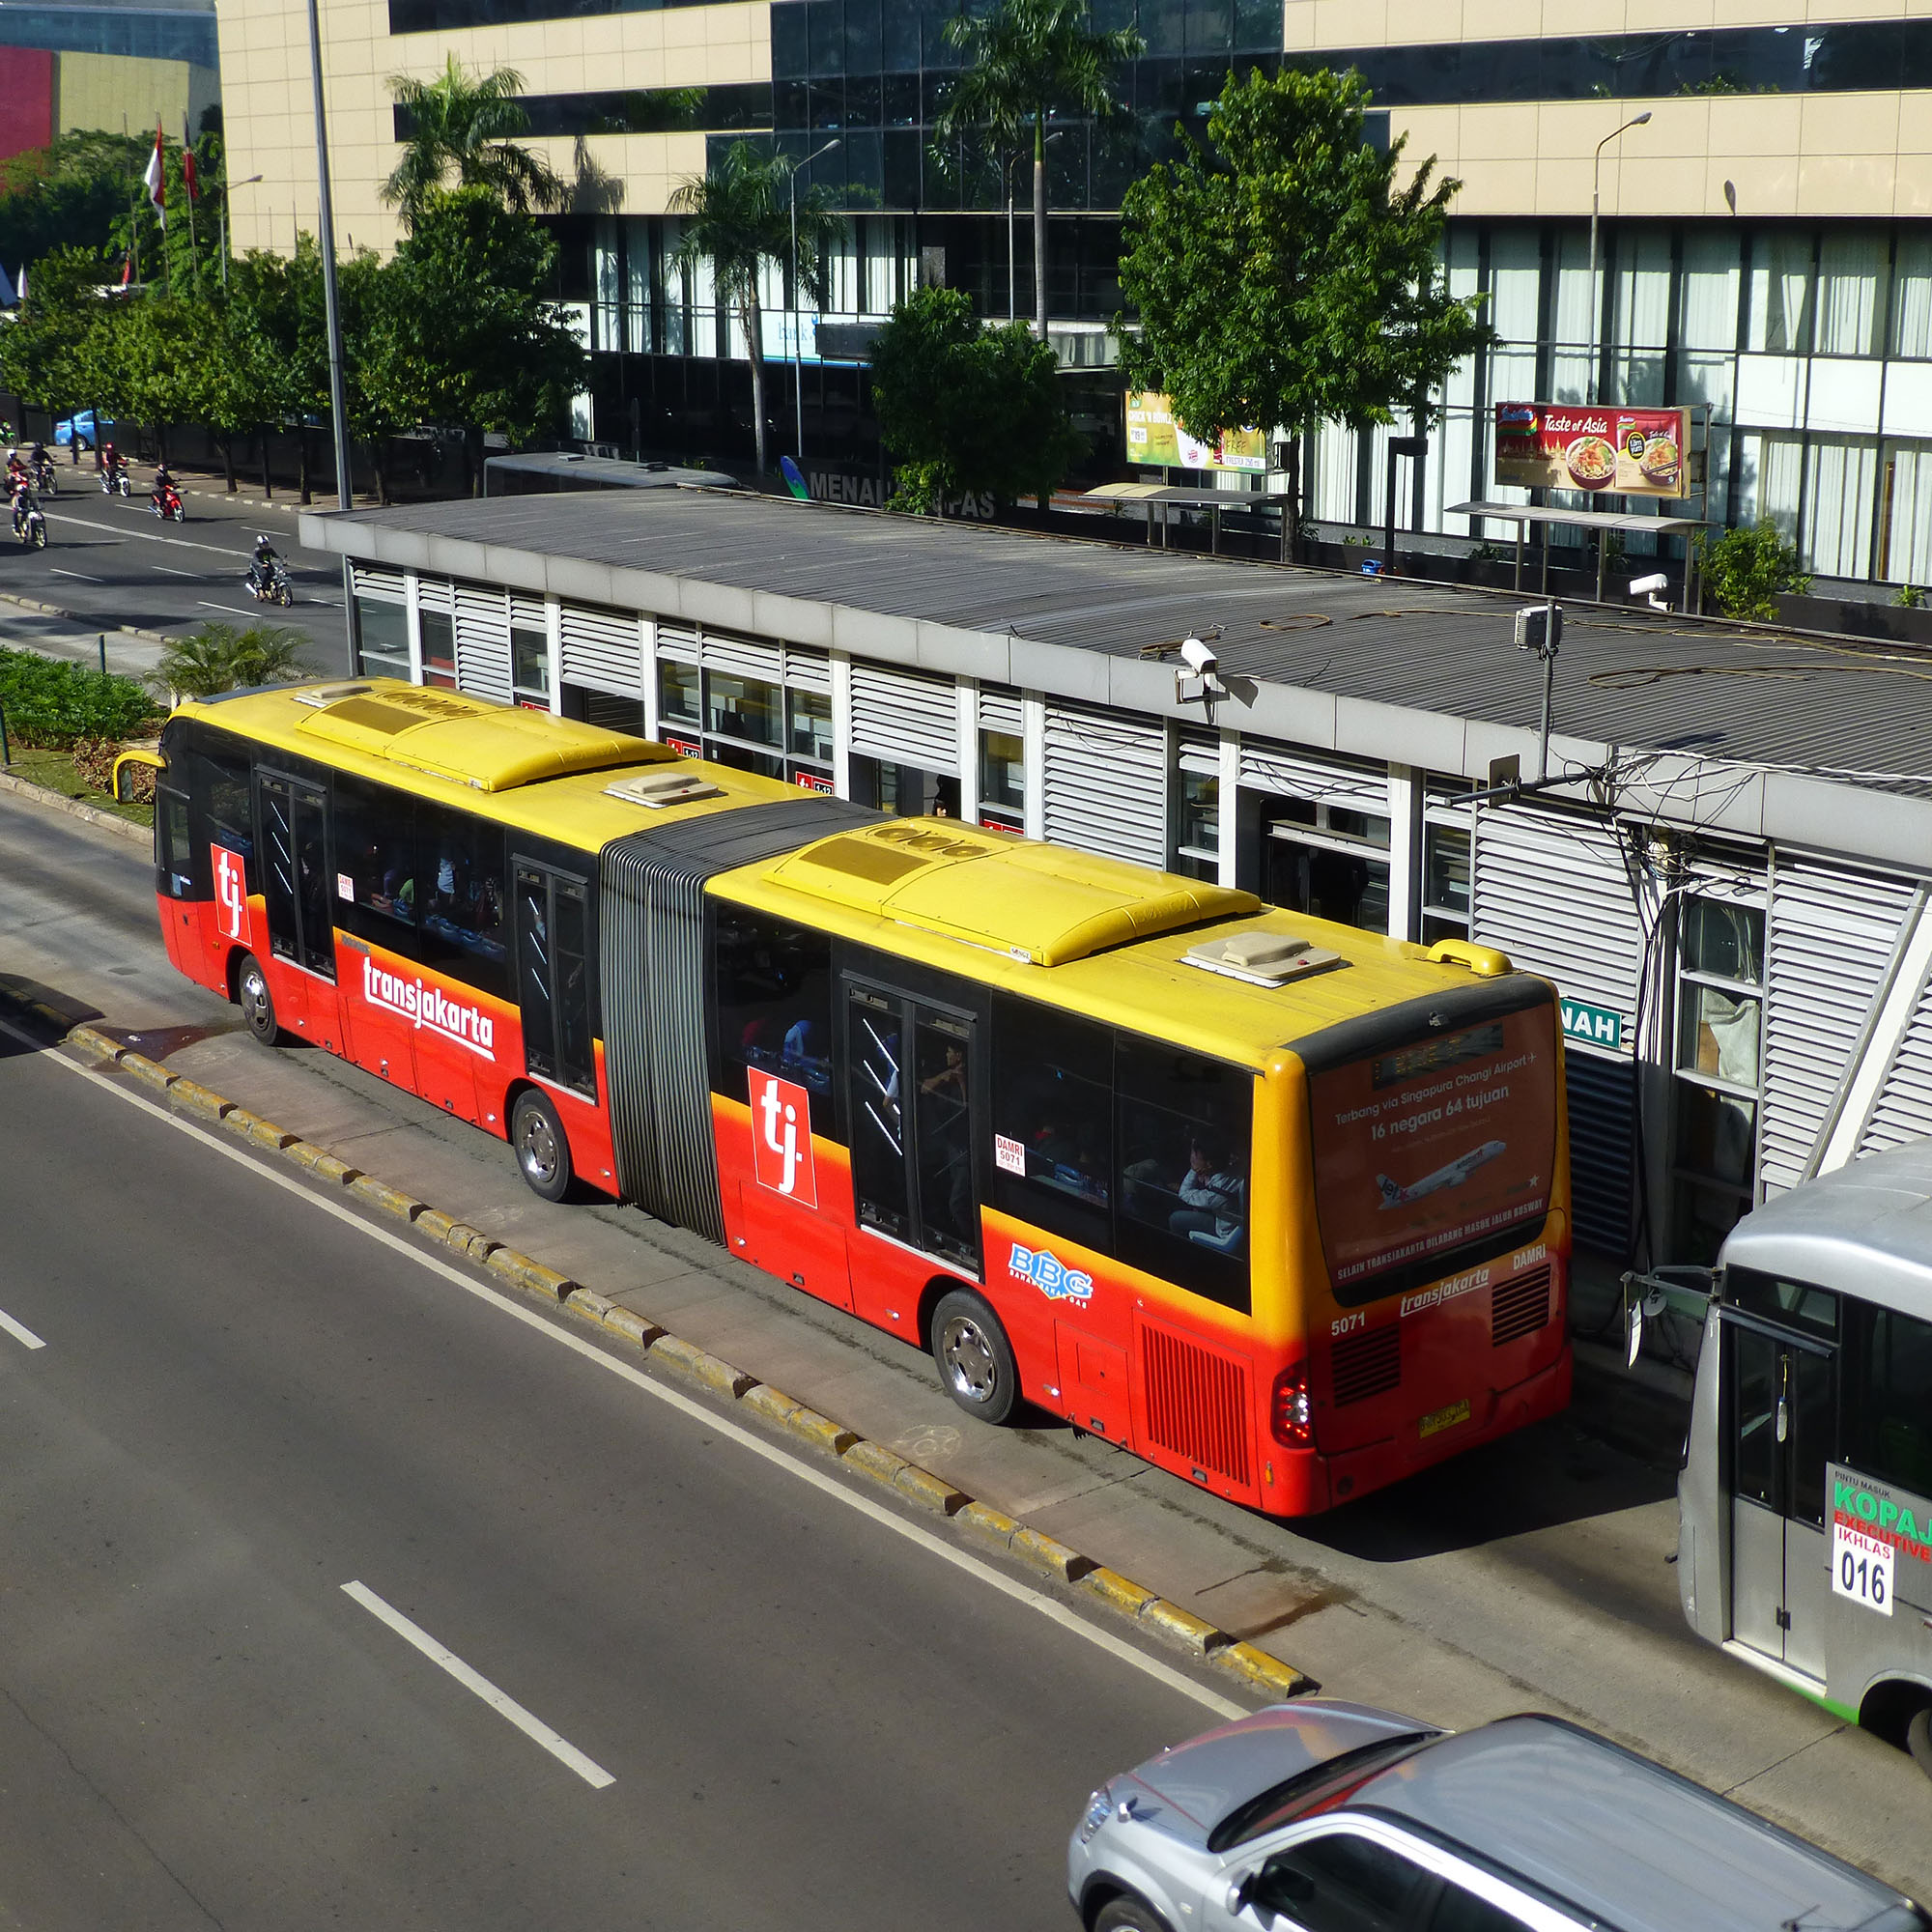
column 1199, row 659
column 1644, row 586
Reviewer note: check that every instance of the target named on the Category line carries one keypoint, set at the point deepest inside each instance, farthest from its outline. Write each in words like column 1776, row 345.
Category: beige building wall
column 1810, row 155
column 124, row 96
column 270, row 127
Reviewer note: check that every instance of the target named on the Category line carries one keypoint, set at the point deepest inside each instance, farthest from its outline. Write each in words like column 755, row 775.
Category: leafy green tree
column 70, row 194
column 965, row 408
column 276, row 308
column 50, row 352
column 458, row 330
column 1282, row 277
column 738, row 217
column 1021, row 63
column 1746, row 569
column 467, row 125
column 219, row 657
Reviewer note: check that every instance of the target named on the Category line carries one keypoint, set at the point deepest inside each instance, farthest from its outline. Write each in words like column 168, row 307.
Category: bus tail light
column 1289, row 1415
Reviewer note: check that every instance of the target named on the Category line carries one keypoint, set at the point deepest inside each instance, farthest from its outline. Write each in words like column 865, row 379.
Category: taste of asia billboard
column 1574, row 446
column 1155, row 437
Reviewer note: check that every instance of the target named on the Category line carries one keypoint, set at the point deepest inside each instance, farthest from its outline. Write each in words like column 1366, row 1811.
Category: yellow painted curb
column 325, row 1166
column 820, row 1430
column 1181, row 1627
column 192, row 1097
column 990, row 1525
column 632, row 1326
column 1120, row 1593
column 531, row 1276
column 1041, row 1551
column 875, row 1462
column 771, row 1404
column 436, row 1224
column 253, row 1127
column 148, row 1072
column 930, row 1492
column 693, row 1365
column 1256, row 1666
column 379, row 1194
column 96, row 1045
column 579, row 1301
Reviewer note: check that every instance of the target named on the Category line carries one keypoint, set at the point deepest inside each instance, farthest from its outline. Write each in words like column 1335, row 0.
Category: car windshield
column 1333, row 1777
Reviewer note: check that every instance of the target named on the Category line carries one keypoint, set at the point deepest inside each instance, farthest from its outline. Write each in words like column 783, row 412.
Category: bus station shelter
column 1524, row 515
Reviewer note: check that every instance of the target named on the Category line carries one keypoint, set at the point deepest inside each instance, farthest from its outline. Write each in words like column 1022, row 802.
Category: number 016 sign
column 1861, row 1568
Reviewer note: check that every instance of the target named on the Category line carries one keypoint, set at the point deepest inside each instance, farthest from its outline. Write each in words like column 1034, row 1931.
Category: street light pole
column 797, row 309
column 1596, row 178
column 227, row 186
column 332, row 308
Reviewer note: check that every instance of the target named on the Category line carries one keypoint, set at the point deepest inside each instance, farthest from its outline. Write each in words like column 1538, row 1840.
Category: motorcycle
column 30, row 528
column 44, row 479
column 115, row 479
column 166, row 503
column 274, row 588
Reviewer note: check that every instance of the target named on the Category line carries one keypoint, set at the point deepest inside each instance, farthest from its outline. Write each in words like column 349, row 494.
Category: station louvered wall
column 603, row 650
column 905, row 717
column 1828, row 938
column 1106, row 782
column 483, row 641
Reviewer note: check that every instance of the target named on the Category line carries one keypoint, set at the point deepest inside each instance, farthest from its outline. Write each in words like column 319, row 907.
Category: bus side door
column 553, row 978
column 1781, row 1404
column 917, row 1114
column 296, row 886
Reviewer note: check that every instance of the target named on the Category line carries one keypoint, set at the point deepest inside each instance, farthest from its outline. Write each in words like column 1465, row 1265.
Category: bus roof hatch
column 1031, row 901
column 487, row 747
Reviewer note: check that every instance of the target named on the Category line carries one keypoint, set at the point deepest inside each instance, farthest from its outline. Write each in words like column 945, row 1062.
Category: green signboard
column 1593, row 1026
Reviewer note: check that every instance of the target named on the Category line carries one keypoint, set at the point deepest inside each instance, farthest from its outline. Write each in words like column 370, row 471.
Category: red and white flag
column 157, row 191
column 189, row 181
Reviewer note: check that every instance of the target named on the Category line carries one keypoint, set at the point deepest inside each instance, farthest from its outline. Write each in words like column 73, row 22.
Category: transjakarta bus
column 1279, row 1205
column 1806, row 1502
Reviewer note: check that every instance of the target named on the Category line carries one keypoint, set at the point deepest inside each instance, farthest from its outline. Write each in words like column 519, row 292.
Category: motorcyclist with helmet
column 21, row 487
column 262, row 568
column 112, row 465
column 164, row 487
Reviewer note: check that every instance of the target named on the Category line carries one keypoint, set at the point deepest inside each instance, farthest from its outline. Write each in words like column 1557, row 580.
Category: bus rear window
column 1434, row 1150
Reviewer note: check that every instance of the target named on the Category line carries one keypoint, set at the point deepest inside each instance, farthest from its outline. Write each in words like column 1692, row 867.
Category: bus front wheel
column 543, row 1149
column 975, row 1360
column 257, row 1002
column 1919, row 1739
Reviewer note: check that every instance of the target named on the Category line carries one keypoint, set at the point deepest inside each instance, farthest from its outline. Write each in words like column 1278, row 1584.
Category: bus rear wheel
column 1919, row 1739
column 543, row 1149
column 975, row 1360
column 257, row 1002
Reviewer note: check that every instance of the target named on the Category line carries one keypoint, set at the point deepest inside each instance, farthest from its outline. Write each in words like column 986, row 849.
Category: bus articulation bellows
column 1278, row 1205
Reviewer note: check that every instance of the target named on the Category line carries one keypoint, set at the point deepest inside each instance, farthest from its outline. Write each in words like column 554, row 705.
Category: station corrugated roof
column 1632, row 679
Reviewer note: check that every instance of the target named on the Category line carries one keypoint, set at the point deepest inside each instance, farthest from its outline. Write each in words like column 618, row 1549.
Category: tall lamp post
column 1595, row 179
column 332, row 308
column 797, row 295
column 228, row 188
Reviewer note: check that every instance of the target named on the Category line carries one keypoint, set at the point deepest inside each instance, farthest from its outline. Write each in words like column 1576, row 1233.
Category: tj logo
column 782, row 1138
column 1051, row 1276
column 231, row 896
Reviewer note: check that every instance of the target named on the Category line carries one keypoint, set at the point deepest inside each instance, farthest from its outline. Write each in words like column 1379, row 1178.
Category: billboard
column 1423, row 1148
column 1628, row 452
column 1155, row 437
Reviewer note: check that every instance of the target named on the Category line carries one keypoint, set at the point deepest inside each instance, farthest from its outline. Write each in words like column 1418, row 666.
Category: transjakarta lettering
column 429, row 1006
column 1050, row 1275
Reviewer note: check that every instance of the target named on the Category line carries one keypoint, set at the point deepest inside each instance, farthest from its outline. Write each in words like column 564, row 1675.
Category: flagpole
column 331, row 306
column 188, row 189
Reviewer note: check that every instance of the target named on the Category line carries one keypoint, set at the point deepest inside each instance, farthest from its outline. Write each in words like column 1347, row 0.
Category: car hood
column 1200, row 1781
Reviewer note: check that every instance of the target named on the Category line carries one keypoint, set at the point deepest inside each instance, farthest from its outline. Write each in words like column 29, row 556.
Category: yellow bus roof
column 1096, row 936
column 576, row 784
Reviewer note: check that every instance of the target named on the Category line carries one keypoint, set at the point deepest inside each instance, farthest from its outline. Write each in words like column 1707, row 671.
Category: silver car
column 1329, row 1817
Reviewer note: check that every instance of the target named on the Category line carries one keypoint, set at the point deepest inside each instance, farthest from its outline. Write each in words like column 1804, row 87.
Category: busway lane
column 243, row 1404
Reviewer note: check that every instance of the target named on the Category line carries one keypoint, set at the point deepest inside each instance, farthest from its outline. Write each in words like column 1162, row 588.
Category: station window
column 1197, row 824
column 677, row 694
column 530, row 664
column 1445, row 883
column 1327, row 860
column 438, row 648
column 382, row 639
column 811, row 725
column 743, row 709
column 1718, row 1064
column 773, row 984
column 1003, row 780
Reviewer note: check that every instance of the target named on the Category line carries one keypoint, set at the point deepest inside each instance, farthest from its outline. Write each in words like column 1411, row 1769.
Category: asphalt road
column 742, row 1698
column 111, row 561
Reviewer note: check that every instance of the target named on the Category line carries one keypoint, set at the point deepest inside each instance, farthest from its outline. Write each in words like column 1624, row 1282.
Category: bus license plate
column 1861, row 1568
column 1437, row 1421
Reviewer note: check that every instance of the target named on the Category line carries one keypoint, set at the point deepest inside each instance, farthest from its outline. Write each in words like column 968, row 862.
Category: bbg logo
column 1050, row 1275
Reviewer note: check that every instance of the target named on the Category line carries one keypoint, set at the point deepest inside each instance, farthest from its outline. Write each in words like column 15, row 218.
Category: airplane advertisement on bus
column 1430, row 1147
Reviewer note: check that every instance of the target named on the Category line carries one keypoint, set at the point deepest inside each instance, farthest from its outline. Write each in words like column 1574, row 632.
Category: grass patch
column 54, row 771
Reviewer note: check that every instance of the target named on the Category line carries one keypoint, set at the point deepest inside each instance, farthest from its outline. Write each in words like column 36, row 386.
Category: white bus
column 1804, row 1540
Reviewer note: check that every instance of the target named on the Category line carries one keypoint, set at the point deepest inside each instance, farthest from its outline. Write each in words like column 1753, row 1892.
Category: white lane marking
column 145, row 536
column 501, row 1702
column 57, row 571
column 239, row 609
column 719, row 1424
column 173, row 572
column 21, row 1332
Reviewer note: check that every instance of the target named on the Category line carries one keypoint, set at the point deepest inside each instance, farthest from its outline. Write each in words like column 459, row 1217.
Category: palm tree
column 738, row 216
column 1022, row 61
column 469, row 125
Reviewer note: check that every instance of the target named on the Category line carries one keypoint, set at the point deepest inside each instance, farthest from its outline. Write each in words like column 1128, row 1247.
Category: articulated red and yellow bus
column 1278, row 1205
